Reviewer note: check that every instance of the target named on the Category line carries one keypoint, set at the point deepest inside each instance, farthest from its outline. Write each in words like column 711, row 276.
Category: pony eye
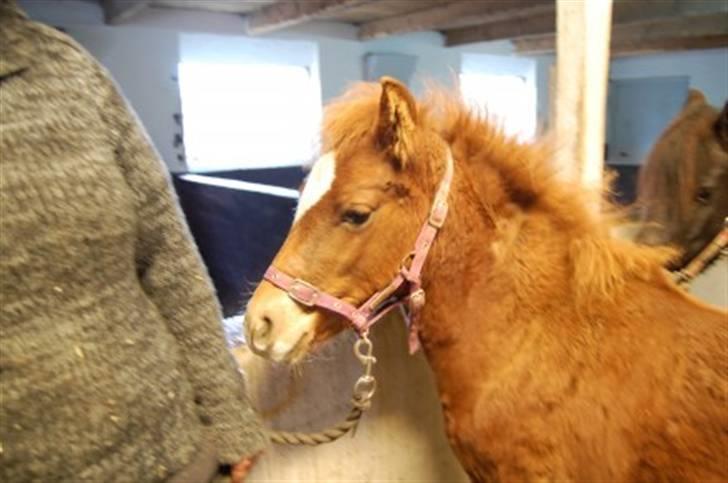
column 703, row 196
column 355, row 217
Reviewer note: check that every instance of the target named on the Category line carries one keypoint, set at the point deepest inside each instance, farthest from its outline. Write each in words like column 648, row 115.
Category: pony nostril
column 265, row 327
column 260, row 331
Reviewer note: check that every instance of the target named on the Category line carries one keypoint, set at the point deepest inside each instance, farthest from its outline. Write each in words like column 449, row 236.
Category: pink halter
column 390, row 297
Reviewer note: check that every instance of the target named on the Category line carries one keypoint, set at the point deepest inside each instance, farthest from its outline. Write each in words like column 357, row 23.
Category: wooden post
column 582, row 66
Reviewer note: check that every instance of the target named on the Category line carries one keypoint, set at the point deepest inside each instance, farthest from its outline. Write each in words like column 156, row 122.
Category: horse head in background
column 683, row 185
column 560, row 352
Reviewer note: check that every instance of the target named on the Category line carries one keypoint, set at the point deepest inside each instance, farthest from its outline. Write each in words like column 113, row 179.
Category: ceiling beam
column 624, row 47
column 453, row 14
column 120, row 11
column 286, row 13
column 624, row 12
column 628, row 11
column 685, row 33
column 517, row 27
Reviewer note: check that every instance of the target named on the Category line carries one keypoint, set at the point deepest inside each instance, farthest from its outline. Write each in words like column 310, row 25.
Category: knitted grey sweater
column 113, row 366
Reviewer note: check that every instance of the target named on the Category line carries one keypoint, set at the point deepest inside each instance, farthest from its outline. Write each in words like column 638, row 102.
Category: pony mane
column 600, row 263
column 350, row 118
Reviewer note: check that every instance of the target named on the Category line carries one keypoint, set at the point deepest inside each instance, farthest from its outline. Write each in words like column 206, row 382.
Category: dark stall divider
column 238, row 231
column 285, row 177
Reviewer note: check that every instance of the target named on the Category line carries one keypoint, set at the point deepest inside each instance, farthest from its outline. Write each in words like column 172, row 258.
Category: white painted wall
column 144, row 64
column 706, row 69
column 64, row 12
column 143, row 58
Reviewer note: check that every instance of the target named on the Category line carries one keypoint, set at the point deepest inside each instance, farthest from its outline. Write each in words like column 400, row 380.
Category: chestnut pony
column 559, row 352
column 683, row 186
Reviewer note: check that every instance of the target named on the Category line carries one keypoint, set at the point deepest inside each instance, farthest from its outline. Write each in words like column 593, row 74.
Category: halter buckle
column 417, row 300
column 303, row 293
column 438, row 215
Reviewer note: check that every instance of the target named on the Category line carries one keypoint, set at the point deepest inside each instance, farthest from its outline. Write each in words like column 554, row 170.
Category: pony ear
column 721, row 127
column 397, row 120
column 695, row 98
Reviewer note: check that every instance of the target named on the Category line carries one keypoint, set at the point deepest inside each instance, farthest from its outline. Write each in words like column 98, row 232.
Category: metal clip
column 366, row 385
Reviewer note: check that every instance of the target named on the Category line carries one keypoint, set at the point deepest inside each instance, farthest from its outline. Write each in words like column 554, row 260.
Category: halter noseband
column 393, row 295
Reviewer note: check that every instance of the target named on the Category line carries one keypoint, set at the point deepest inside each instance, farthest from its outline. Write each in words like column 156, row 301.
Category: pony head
column 359, row 213
column 682, row 188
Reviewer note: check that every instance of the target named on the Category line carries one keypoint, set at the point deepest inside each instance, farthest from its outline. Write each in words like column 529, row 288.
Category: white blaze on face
column 318, row 183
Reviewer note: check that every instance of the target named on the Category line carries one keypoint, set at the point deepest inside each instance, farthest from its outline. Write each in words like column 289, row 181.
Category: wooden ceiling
column 225, row 6
column 638, row 25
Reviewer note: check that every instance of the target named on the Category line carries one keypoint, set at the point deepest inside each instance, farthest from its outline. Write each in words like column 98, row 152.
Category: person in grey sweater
column 113, row 364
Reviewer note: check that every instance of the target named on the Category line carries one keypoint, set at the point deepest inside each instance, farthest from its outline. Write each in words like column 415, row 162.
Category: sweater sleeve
column 172, row 274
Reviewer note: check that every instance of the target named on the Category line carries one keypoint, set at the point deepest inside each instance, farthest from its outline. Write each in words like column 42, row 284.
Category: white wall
column 144, row 64
column 143, row 58
column 143, row 61
column 706, row 69
column 70, row 12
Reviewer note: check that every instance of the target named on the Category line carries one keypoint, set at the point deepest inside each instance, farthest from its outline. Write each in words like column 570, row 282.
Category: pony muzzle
column 276, row 326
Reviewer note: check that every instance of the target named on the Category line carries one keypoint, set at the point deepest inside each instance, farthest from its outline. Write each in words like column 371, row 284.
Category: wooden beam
column 582, row 64
column 286, row 13
column 629, row 11
column 624, row 48
column 625, row 12
column 454, row 14
column 120, row 11
column 516, row 27
column 685, row 33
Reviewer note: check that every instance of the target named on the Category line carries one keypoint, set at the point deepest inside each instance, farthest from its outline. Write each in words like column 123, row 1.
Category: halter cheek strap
column 412, row 296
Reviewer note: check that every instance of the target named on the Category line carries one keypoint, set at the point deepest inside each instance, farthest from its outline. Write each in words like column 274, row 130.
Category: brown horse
column 683, row 186
column 559, row 352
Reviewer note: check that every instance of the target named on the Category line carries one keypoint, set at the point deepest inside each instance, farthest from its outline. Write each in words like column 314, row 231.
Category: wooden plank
column 629, row 11
column 286, row 13
column 692, row 32
column 224, row 6
column 120, row 11
column 624, row 48
column 459, row 13
column 582, row 64
column 625, row 12
column 516, row 27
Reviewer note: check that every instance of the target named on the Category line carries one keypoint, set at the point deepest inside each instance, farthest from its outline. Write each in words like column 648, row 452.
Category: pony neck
column 483, row 274
column 512, row 263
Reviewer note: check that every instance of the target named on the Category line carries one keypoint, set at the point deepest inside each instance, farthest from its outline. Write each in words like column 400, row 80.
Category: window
column 238, row 116
column 507, row 99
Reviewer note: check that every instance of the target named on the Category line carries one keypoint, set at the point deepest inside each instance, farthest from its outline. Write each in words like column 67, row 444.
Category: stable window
column 509, row 100
column 242, row 116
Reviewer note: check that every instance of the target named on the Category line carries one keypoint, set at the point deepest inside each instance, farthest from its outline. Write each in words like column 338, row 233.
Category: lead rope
column 361, row 401
column 715, row 249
